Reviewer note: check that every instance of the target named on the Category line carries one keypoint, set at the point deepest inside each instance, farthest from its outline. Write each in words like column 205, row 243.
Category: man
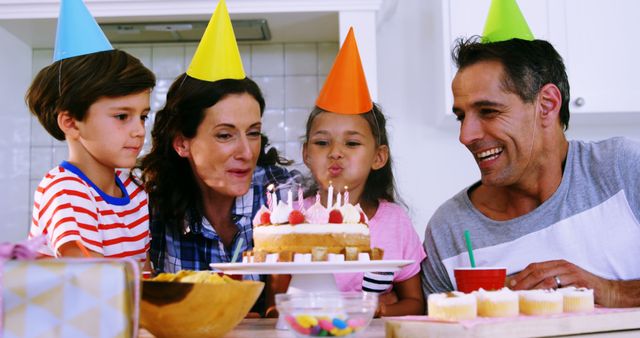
column 554, row 212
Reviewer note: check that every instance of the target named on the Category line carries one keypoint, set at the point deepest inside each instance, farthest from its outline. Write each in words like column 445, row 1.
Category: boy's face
column 112, row 132
column 224, row 152
column 342, row 149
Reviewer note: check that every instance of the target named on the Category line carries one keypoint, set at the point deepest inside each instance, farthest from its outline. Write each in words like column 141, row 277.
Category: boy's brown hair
column 74, row 84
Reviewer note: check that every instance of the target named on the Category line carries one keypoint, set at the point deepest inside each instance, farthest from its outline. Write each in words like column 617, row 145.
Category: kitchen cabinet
column 596, row 39
column 602, row 55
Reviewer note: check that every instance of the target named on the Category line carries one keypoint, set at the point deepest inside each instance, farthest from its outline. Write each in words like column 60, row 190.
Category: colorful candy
column 323, row 326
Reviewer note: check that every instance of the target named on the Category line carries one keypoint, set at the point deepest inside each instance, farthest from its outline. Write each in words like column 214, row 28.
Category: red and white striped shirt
column 68, row 207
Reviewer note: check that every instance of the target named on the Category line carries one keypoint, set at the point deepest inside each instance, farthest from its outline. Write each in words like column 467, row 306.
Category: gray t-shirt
column 592, row 220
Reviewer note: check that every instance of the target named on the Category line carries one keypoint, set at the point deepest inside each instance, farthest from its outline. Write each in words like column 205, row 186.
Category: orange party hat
column 345, row 91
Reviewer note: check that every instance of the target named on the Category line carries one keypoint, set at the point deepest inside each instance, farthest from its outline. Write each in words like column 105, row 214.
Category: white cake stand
column 311, row 276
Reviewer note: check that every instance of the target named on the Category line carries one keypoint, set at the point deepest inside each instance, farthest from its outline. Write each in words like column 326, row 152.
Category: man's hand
column 560, row 273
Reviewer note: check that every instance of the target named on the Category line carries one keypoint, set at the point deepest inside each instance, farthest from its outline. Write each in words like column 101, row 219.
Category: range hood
column 181, row 31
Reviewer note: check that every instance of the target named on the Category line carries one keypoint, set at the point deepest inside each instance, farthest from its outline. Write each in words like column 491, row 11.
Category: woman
column 207, row 172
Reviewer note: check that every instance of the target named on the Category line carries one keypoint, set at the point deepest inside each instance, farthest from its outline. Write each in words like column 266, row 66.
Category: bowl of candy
column 327, row 314
column 195, row 304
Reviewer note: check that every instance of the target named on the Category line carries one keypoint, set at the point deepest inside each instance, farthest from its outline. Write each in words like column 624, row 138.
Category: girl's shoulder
column 391, row 207
column 390, row 210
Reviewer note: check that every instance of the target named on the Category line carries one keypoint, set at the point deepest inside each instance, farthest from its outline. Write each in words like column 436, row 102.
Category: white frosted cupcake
column 540, row 302
column 452, row 306
column 499, row 303
column 577, row 299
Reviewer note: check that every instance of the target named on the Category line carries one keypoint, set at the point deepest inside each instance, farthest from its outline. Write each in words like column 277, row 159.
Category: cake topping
column 262, row 217
column 335, row 216
column 280, row 214
column 270, row 197
column 350, row 214
column 363, row 217
column 317, row 214
column 296, row 217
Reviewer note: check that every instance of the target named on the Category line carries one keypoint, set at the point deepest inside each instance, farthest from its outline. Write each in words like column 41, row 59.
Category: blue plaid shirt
column 198, row 244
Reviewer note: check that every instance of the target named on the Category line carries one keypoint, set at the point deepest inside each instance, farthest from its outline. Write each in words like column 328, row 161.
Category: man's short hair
column 528, row 66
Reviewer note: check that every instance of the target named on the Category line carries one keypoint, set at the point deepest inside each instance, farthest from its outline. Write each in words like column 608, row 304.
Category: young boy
column 96, row 99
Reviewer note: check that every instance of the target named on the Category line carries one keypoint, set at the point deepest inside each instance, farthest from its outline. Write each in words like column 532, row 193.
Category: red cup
column 472, row 279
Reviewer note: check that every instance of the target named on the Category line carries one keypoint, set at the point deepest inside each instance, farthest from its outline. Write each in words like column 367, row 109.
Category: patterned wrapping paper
column 70, row 298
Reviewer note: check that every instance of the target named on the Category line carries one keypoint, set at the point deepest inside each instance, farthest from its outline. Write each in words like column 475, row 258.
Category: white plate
column 310, row 268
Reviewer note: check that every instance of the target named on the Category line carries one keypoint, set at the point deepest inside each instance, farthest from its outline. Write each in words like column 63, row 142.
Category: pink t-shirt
column 392, row 230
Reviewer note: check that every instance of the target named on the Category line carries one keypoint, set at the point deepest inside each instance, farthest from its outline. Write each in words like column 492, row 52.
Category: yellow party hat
column 345, row 91
column 217, row 56
column 505, row 22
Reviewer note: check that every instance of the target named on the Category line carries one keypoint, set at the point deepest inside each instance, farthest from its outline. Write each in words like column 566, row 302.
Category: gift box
column 70, row 298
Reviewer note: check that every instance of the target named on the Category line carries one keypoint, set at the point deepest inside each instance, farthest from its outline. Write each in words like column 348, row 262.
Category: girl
column 352, row 150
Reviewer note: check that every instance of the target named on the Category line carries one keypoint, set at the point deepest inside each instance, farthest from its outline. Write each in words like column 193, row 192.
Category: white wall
column 430, row 164
column 15, row 75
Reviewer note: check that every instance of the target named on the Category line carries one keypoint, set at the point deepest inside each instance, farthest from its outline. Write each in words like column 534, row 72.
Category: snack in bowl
column 195, row 304
column 327, row 314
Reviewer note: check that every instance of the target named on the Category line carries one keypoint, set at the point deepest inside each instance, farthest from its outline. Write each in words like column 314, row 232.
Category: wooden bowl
column 174, row 309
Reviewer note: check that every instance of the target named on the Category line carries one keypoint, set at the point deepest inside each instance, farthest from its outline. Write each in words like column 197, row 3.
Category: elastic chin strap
column 60, row 78
column 533, row 134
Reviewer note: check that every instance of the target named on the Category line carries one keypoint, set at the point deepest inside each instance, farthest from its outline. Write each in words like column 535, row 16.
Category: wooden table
column 266, row 328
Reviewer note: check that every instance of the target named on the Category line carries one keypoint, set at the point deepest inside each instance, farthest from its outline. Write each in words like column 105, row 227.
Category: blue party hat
column 78, row 32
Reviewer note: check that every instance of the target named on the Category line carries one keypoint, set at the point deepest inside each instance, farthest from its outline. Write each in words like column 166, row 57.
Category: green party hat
column 505, row 22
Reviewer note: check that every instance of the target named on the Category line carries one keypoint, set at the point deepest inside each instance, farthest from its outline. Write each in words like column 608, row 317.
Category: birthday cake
column 317, row 231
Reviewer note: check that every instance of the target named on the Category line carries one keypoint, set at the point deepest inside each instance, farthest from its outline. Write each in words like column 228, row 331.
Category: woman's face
column 224, row 152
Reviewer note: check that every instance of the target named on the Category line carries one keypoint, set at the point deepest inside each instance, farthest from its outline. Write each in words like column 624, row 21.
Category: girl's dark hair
column 168, row 178
column 380, row 183
column 74, row 84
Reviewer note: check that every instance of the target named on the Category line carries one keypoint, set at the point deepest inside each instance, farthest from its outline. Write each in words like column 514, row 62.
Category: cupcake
column 500, row 303
column 452, row 306
column 577, row 299
column 540, row 302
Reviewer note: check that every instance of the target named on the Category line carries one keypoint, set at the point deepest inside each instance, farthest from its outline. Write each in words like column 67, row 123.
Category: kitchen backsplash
column 290, row 76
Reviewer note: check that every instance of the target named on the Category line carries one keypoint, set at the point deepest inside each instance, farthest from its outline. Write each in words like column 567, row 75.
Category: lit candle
column 339, row 200
column 318, row 197
column 300, row 197
column 346, row 195
column 330, row 196
column 275, row 198
column 269, row 197
column 290, row 198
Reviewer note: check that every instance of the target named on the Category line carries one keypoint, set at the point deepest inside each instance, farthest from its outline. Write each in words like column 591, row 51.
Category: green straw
column 467, row 239
column 236, row 252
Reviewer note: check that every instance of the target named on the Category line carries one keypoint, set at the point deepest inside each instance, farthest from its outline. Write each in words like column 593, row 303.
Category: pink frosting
column 317, row 214
column 256, row 219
